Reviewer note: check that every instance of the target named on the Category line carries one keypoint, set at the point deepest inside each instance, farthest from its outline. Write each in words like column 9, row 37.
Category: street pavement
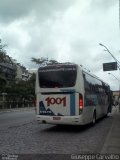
column 112, row 143
column 21, row 134
column 16, row 117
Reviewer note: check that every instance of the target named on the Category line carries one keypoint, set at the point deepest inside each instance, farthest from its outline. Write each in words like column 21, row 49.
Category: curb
column 17, row 109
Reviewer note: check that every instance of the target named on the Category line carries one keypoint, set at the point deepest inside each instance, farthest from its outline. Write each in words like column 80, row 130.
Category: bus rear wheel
column 94, row 118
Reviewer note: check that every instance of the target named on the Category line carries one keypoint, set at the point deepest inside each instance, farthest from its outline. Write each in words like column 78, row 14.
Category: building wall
column 7, row 68
column 22, row 73
column 116, row 93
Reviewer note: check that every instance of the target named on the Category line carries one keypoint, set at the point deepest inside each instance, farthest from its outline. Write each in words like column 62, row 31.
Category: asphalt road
column 9, row 119
column 21, row 134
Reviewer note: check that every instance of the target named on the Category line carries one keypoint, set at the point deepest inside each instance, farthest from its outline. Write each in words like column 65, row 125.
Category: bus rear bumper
column 68, row 120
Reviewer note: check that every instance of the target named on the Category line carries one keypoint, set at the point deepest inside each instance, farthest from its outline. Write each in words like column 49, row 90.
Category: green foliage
column 17, row 92
column 2, row 56
column 2, row 46
column 43, row 61
column 2, row 52
column 2, row 83
column 21, row 87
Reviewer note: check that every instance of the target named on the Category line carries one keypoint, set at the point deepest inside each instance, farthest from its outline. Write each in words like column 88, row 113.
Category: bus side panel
column 87, row 114
column 79, row 88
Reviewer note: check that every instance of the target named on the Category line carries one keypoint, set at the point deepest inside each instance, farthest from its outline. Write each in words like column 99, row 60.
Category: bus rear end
column 58, row 101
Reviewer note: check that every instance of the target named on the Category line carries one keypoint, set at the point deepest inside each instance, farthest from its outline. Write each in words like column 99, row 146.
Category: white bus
column 66, row 94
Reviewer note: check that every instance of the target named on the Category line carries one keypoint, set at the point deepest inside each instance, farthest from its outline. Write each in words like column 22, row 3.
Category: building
column 22, row 73
column 11, row 70
column 116, row 94
column 7, row 67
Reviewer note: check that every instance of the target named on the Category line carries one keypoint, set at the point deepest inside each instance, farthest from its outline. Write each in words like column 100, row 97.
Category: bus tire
column 94, row 118
column 107, row 114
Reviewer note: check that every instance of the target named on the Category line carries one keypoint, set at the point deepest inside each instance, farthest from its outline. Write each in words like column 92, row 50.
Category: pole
column 119, row 14
column 119, row 90
column 118, row 62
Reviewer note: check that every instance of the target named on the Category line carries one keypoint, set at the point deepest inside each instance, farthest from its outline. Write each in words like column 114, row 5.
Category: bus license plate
column 56, row 118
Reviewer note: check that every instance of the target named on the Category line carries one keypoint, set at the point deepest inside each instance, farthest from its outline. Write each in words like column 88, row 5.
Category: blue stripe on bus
column 72, row 104
column 72, row 100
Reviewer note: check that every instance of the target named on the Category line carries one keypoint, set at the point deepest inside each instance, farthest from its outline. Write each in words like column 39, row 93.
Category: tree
column 2, row 46
column 52, row 61
column 2, row 83
column 2, row 51
column 2, row 56
column 43, row 61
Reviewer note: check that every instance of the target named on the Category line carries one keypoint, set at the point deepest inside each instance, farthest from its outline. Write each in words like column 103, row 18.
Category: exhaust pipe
column 44, row 122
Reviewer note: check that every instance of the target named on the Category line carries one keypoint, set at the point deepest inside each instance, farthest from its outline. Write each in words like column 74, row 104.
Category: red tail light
column 80, row 102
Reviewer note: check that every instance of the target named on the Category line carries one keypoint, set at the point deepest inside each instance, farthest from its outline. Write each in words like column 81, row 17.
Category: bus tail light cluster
column 80, row 103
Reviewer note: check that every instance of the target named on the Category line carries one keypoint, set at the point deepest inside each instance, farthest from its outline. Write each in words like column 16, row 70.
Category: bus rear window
column 57, row 76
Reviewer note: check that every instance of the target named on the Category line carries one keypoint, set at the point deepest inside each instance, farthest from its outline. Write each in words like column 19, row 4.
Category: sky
column 64, row 30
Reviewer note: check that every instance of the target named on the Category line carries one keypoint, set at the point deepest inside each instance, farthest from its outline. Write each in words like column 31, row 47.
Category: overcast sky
column 64, row 30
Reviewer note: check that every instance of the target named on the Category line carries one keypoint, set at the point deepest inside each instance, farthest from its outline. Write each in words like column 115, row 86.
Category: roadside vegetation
column 19, row 93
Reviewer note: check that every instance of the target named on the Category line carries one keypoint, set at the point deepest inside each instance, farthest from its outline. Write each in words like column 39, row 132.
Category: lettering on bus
column 52, row 101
